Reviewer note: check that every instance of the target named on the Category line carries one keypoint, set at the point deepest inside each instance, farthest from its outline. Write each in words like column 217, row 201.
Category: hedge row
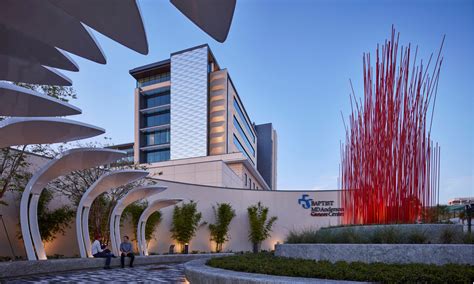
column 267, row 263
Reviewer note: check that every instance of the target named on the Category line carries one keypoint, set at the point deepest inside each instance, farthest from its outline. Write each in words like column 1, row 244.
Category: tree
column 52, row 222
column 185, row 222
column 219, row 230
column 13, row 164
column 134, row 211
column 13, row 171
column 260, row 228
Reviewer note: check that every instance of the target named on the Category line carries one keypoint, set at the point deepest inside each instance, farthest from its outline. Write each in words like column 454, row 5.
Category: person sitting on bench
column 126, row 250
column 101, row 252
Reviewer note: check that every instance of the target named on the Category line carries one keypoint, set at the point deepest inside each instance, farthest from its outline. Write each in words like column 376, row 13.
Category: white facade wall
column 189, row 104
column 283, row 204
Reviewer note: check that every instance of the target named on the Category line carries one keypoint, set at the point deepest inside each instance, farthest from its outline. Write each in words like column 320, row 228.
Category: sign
column 320, row 208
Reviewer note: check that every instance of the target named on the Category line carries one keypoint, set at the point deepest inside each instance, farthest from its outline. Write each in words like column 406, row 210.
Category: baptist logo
column 305, row 202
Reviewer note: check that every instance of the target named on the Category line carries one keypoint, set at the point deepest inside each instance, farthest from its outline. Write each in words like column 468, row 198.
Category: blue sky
column 291, row 61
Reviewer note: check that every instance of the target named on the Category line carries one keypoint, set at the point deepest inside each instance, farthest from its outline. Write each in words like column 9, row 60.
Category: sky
column 291, row 61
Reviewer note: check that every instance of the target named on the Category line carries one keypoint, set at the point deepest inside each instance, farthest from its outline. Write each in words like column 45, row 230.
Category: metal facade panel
column 189, row 103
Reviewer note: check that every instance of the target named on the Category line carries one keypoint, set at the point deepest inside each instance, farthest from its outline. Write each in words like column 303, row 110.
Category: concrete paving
column 156, row 273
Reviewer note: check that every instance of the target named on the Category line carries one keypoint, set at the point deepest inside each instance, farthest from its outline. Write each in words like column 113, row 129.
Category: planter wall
column 433, row 232
column 197, row 272
column 387, row 253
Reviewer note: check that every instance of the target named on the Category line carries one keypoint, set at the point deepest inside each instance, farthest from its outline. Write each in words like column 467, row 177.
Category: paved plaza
column 157, row 273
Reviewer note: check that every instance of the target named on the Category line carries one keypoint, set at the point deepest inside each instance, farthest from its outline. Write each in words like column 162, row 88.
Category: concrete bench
column 23, row 268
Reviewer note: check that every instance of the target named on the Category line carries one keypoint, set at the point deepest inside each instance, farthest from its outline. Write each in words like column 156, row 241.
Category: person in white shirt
column 99, row 252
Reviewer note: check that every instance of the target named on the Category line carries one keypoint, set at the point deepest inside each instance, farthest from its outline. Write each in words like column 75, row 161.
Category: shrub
column 185, row 222
column 219, row 230
column 448, row 236
column 260, row 228
column 266, row 263
column 308, row 235
column 468, row 238
column 135, row 210
column 387, row 235
column 417, row 237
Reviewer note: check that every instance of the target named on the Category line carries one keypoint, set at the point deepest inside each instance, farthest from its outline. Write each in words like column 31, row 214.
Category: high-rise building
column 191, row 125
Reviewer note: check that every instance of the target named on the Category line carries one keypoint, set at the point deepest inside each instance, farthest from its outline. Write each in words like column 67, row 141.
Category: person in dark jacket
column 126, row 251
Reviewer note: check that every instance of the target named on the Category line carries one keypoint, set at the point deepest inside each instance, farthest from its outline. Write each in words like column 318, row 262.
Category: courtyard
column 156, row 273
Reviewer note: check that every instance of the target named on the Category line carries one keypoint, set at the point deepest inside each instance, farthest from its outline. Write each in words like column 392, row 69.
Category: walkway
column 159, row 273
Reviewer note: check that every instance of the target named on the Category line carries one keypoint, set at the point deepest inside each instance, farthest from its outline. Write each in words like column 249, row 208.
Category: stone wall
column 438, row 254
column 433, row 232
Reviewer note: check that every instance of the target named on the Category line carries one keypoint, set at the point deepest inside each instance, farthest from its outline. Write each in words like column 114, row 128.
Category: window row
column 156, row 97
column 248, row 183
column 159, row 100
column 241, row 148
column 158, row 137
column 242, row 133
column 158, row 78
column 157, row 118
column 158, row 156
column 242, row 117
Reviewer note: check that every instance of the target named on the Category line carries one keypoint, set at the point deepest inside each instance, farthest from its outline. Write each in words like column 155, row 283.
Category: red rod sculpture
column 389, row 165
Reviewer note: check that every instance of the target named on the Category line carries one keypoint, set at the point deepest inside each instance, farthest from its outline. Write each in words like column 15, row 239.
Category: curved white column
column 68, row 161
column 132, row 196
column 103, row 184
column 19, row 101
column 154, row 206
column 41, row 130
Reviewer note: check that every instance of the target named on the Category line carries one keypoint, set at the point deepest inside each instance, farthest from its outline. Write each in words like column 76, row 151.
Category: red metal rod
column 389, row 165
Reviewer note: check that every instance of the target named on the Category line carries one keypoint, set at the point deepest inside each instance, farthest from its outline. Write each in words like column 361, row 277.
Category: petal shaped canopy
column 19, row 101
column 40, row 130
column 18, row 45
column 51, row 25
column 18, row 70
column 212, row 16
column 119, row 20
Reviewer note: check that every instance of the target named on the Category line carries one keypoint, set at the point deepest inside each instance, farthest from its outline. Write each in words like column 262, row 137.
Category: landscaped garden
column 384, row 234
column 267, row 263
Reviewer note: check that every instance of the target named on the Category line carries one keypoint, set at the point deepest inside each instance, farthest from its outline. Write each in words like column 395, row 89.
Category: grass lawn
column 267, row 263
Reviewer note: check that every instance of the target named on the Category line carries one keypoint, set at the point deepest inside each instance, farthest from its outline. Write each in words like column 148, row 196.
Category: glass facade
column 158, row 78
column 158, row 155
column 157, row 118
column 242, row 117
column 242, row 133
column 158, row 97
column 241, row 148
column 157, row 137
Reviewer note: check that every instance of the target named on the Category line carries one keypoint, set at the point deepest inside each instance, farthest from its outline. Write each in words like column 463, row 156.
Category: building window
column 254, row 185
column 242, row 133
column 158, row 137
column 242, row 117
column 157, row 118
column 250, row 183
column 241, row 148
column 158, row 78
column 245, row 175
column 158, row 156
column 155, row 98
